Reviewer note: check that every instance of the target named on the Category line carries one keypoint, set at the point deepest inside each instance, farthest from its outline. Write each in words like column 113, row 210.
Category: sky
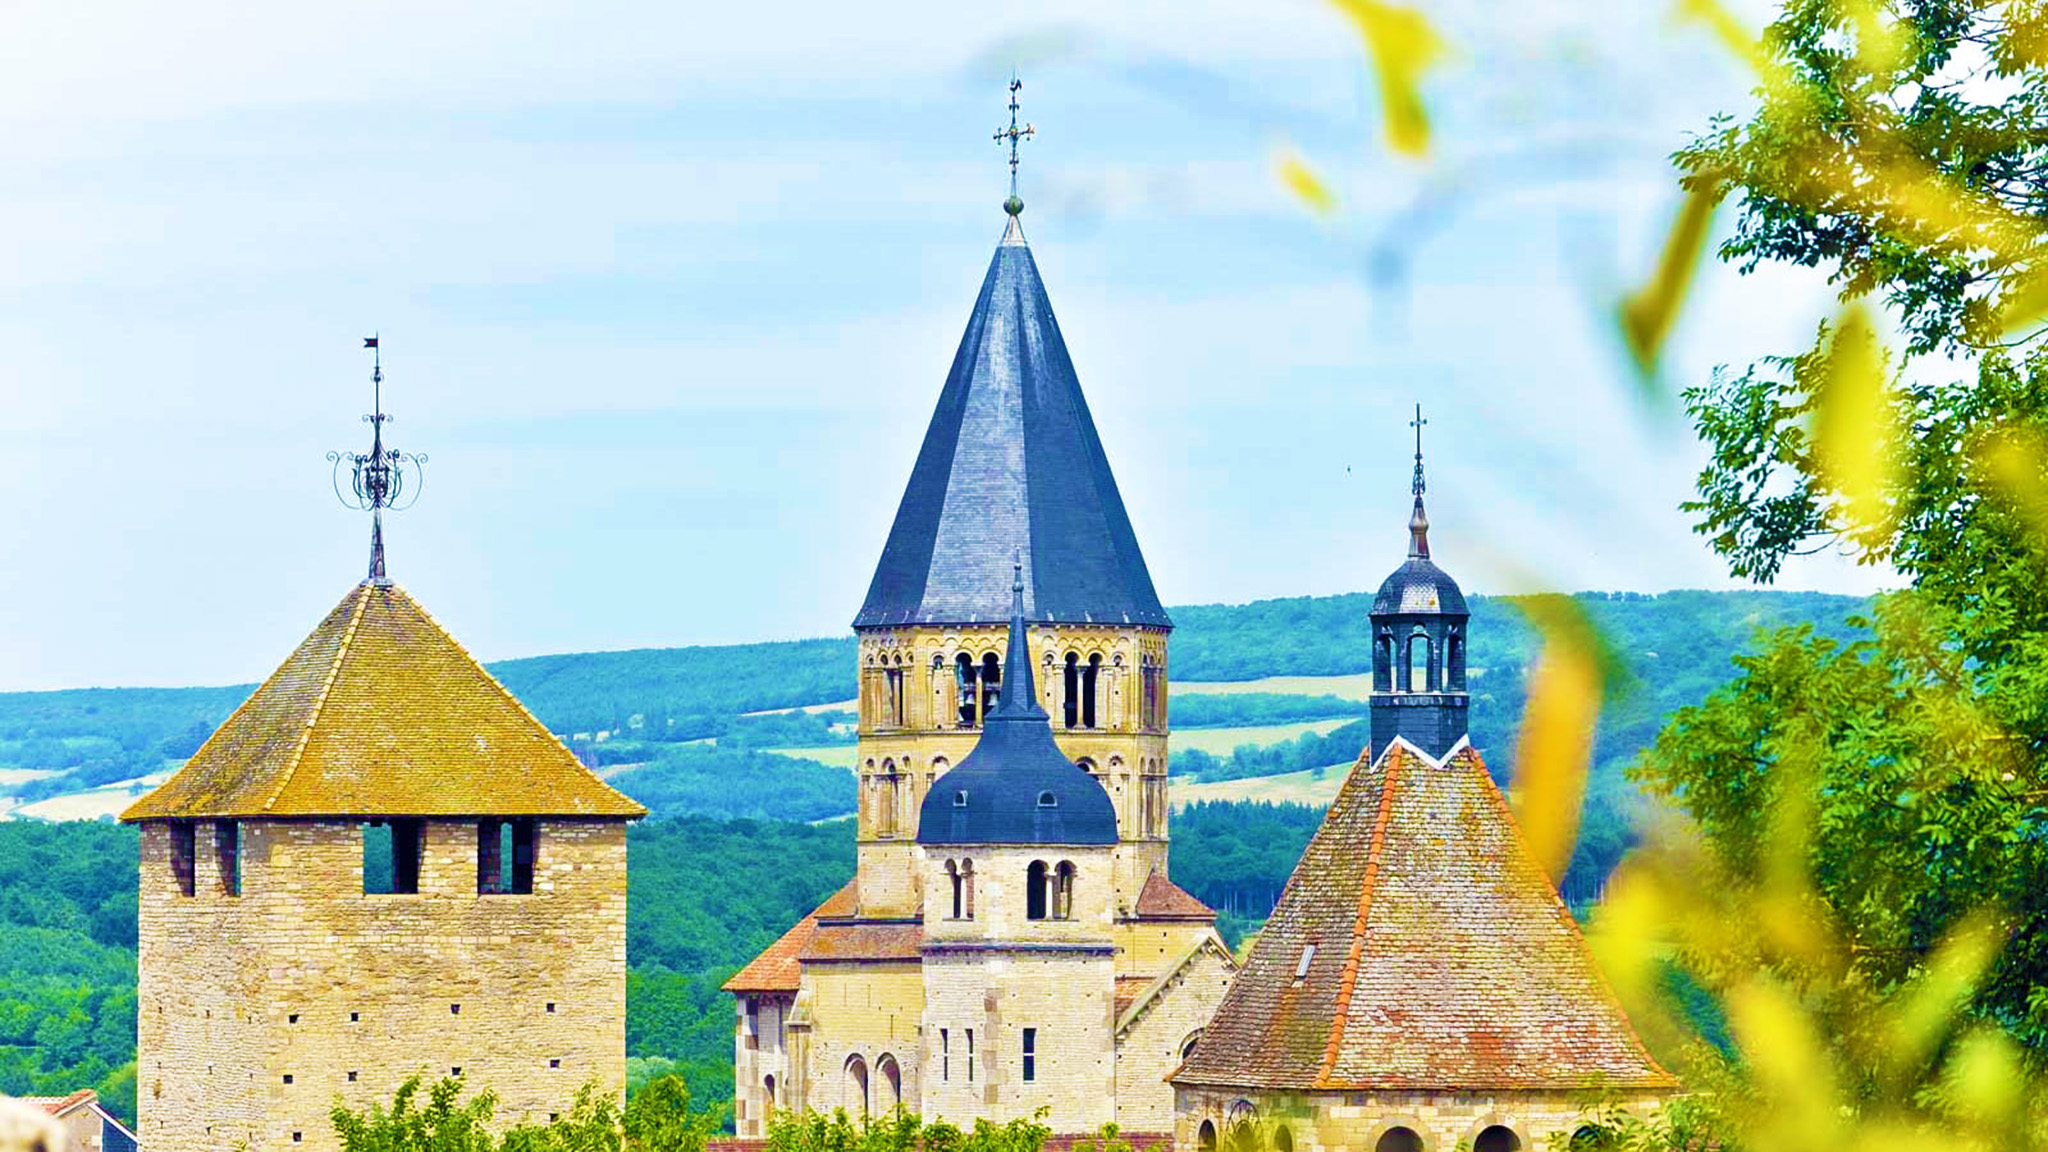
column 666, row 294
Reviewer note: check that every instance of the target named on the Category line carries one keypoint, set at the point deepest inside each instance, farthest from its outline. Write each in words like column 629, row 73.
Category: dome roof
column 1016, row 787
column 1419, row 587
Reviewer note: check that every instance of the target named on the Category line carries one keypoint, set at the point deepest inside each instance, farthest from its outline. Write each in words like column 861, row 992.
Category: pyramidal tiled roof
column 1442, row 958
column 1011, row 467
column 381, row 713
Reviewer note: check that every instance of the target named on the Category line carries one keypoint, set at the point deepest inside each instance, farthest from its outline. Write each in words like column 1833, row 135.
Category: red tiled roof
column 1162, row 899
column 59, row 1105
column 777, row 968
column 1443, row 958
column 381, row 713
column 1128, row 989
column 864, row 940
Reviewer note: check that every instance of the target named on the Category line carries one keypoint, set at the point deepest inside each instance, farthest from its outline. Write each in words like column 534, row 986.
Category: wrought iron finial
column 1418, row 521
column 1417, row 424
column 1012, row 135
column 377, row 479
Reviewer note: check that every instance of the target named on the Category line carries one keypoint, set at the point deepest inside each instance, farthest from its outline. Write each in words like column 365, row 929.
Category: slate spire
column 1011, row 466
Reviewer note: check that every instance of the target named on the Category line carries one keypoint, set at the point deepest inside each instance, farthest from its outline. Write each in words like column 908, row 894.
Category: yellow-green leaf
column 1853, row 419
column 1302, row 180
column 1555, row 747
column 1403, row 46
column 1648, row 314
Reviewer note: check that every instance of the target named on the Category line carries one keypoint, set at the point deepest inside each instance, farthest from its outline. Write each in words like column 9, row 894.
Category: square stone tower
column 380, row 865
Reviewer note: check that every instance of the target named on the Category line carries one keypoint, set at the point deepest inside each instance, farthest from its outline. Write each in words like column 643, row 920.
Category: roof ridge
column 348, row 638
column 498, row 684
column 1152, row 990
column 1492, row 791
column 1388, row 785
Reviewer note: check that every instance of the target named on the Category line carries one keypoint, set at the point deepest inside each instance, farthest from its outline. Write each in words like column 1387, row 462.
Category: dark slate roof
column 998, row 793
column 1418, row 586
column 1011, row 466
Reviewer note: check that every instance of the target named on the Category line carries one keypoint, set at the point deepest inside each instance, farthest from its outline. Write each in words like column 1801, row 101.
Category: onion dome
column 1017, row 787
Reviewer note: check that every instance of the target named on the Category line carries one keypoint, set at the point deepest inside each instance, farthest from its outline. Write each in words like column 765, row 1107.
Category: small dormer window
column 1048, row 800
column 960, row 799
column 1308, row 954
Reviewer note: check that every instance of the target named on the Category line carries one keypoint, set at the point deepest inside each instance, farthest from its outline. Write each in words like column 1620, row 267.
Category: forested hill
column 1678, row 643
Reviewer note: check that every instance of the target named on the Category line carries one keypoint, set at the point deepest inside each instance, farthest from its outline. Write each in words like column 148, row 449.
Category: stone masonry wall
column 1150, row 1046
column 867, row 1010
column 258, row 1011
column 1354, row 1122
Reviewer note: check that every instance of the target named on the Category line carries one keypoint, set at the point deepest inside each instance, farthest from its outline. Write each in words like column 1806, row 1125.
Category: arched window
column 964, row 691
column 768, row 1087
column 1244, row 1127
column 1091, row 680
column 1070, row 692
column 960, row 798
column 1048, row 800
column 1399, row 1139
column 1063, row 892
column 1187, row 1046
column 886, row 800
column 1283, row 1139
column 1206, row 1137
column 856, row 1085
column 967, row 884
column 1415, row 667
column 1454, row 660
column 892, row 1082
column 991, row 683
column 1383, row 662
column 1591, row 1138
column 1035, row 891
column 1497, row 1138
column 959, row 890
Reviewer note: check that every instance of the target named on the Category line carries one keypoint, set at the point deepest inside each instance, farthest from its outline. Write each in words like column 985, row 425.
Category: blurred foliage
column 899, row 1132
column 1902, row 145
column 655, row 1119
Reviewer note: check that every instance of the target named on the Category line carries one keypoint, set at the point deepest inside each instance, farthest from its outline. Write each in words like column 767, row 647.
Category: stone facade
column 914, row 724
column 257, row 1011
column 1503, row 1121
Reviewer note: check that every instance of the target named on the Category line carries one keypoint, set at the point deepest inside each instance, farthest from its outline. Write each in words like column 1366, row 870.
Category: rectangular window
column 1030, row 1054
column 181, row 856
column 391, row 856
column 970, row 1055
column 945, row 1055
column 504, row 857
column 227, row 852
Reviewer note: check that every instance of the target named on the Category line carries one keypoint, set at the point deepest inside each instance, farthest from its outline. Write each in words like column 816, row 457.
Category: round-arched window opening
column 1048, row 800
column 1497, row 1138
column 960, row 799
column 1283, row 1139
column 1399, row 1139
column 1205, row 1138
column 1591, row 1138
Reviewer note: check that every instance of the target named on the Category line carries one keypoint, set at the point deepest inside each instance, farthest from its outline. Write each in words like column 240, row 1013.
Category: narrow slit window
column 1070, row 695
column 970, row 1055
column 391, row 856
column 945, row 1055
column 227, row 852
column 182, row 857
column 1030, row 1054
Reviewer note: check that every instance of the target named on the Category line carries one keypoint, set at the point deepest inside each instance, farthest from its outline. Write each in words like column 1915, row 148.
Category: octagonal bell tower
column 1419, row 622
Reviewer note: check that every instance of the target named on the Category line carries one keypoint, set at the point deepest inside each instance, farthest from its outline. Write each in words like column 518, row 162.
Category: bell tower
column 1419, row 622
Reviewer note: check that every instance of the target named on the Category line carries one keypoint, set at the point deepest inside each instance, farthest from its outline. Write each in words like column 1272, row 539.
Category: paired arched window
column 1049, row 891
column 961, row 876
column 1079, row 681
column 976, row 687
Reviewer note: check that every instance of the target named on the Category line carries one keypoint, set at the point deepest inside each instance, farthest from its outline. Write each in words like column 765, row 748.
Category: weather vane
column 1417, row 424
column 377, row 479
column 1012, row 134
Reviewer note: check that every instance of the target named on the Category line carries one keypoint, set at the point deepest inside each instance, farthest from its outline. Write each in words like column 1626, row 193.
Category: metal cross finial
column 377, row 478
column 1417, row 424
column 1014, row 134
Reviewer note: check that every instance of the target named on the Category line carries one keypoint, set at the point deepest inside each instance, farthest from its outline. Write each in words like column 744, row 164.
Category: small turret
column 1419, row 623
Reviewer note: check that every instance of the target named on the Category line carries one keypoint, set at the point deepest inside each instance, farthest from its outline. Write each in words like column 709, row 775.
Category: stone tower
column 1418, row 644
column 1011, row 469
column 1020, row 930
column 381, row 864
column 1010, row 938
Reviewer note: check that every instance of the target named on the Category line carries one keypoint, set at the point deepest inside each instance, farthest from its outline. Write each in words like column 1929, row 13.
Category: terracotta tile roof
column 1442, row 957
column 864, row 940
column 59, row 1105
column 381, row 713
column 777, row 968
column 1162, row 899
column 1128, row 989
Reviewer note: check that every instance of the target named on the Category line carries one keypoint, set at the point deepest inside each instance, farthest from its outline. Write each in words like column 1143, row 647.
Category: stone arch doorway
column 892, row 1082
column 1399, row 1139
column 1497, row 1138
column 1205, row 1138
column 856, row 1085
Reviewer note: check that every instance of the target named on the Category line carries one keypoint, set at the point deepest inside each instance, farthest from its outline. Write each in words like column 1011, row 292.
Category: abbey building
column 1011, row 941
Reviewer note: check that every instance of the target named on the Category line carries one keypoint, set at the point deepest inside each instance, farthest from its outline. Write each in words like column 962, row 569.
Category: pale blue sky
column 667, row 294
